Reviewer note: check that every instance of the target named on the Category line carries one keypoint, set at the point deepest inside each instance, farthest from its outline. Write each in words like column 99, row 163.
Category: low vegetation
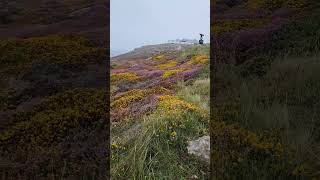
column 154, row 144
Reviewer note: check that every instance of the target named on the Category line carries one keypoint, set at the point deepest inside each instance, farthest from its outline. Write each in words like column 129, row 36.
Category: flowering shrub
column 170, row 103
column 134, row 95
column 199, row 59
column 169, row 73
column 233, row 146
column 191, row 73
column 124, row 100
column 124, row 77
column 169, row 64
column 135, row 103
column 50, row 122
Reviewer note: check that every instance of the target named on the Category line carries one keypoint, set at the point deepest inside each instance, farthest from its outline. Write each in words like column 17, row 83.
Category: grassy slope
column 157, row 150
column 275, row 96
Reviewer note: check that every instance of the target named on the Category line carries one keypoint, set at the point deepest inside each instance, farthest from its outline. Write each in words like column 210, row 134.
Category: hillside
column 49, row 86
column 266, row 88
column 53, row 72
column 158, row 105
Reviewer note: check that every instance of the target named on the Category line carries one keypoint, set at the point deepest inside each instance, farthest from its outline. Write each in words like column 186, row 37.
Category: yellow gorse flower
column 173, row 104
column 128, row 76
column 173, row 134
column 169, row 64
column 159, row 57
column 199, row 59
column 134, row 95
column 169, row 73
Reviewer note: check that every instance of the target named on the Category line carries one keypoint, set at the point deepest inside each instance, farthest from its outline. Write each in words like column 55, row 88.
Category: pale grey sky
column 135, row 23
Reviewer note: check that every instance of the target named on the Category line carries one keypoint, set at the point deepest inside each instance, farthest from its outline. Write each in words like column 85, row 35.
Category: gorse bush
column 49, row 122
column 237, row 152
column 159, row 57
column 131, row 96
column 173, row 72
column 173, row 104
column 199, row 59
column 124, row 77
column 169, row 64
column 18, row 55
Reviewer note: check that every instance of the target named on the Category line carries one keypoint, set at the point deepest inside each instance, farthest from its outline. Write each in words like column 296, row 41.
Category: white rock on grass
column 200, row 148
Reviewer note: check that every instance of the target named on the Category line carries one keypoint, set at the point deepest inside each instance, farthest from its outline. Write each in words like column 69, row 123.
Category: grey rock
column 200, row 148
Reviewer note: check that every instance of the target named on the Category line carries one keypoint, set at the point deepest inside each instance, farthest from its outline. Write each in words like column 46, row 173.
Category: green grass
column 196, row 50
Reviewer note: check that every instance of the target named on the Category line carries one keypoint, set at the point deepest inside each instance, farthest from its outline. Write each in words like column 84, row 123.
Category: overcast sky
column 143, row 22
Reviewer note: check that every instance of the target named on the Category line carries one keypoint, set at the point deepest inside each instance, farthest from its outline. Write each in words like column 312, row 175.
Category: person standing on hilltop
column 201, row 40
